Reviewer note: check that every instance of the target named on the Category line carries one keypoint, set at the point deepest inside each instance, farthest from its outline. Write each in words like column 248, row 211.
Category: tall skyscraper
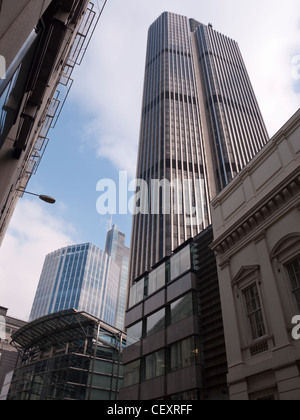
column 81, row 277
column 200, row 126
column 119, row 252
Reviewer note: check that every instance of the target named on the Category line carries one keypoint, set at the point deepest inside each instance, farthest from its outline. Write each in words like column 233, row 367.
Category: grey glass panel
column 155, row 365
column 156, row 322
column 181, row 262
column 134, row 333
column 132, row 374
column 182, row 308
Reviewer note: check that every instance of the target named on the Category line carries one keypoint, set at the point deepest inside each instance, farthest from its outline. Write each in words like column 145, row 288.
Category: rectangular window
column 155, row 365
column 181, row 262
column 137, row 293
column 156, row 322
column 157, row 279
column 184, row 354
column 254, row 312
column 182, row 308
column 293, row 270
column 132, row 374
column 134, row 334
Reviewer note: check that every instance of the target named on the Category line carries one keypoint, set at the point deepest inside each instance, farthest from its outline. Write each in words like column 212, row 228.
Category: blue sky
column 98, row 131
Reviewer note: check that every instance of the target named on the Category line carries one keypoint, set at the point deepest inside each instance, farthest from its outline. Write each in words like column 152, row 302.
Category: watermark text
column 157, row 197
column 296, row 329
column 2, row 67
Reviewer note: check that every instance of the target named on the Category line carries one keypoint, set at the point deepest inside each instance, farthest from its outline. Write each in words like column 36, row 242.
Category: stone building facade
column 256, row 222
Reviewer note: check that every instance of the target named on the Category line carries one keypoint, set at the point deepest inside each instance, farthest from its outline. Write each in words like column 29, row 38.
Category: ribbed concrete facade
column 200, row 125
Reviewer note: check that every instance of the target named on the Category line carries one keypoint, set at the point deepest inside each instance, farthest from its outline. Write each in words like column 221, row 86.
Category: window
column 12, row 88
column 2, row 328
column 157, row 279
column 293, row 270
column 254, row 312
column 186, row 396
column 184, row 354
column 155, row 365
column 134, row 334
column 137, row 293
column 180, row 262
column 182, row 308
column 156, row 322
column 132, row 374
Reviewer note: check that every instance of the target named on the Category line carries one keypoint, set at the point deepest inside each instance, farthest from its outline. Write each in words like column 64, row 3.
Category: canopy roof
column 58, row 327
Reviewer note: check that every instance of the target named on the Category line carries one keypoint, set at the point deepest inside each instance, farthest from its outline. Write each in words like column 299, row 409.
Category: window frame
column 179, row 260
column 283, row 253
column 247, row 277
column 297, row 289
column 251, row 314
column 157, row 355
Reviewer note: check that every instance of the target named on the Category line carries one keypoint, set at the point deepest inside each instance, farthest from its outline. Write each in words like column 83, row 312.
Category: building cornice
column 282, row 135
column 253, row 224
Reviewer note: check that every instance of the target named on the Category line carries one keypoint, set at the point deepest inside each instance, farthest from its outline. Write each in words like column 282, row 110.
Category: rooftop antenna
column 109, row 224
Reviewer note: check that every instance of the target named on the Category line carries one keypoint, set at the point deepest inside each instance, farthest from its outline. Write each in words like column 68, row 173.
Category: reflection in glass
column 157, row 279
column 184, row 354
column 132, row 373
column 156, row 322
column 155, row 365
column 137, row 292
column 134, row 333
column 181, row 262
column 182, row 308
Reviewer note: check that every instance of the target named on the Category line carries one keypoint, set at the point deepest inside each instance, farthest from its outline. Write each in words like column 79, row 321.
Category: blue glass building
column 81, row 277
column 119, row 252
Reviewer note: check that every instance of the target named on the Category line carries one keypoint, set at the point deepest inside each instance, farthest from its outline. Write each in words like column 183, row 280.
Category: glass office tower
column 119, row 252
column 200, row 126
column 81, row 277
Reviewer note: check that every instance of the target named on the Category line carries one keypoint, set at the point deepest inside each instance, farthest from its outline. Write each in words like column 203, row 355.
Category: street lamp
column 45, row 198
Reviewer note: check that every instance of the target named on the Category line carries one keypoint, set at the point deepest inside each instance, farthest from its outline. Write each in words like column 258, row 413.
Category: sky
column 98, row 131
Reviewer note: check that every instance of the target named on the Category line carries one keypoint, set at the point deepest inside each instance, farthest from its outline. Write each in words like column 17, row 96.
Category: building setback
column 200, row 126
column 176, row 346
column 256, row 222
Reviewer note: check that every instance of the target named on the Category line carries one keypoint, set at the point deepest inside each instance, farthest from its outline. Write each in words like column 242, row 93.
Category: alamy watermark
column 296, row 329
column 2, row 68
column 156, row 197
column 2, row 328
column 296, row 67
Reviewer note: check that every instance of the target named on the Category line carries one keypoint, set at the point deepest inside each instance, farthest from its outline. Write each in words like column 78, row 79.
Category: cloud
column 268, row 52
column 34, row 232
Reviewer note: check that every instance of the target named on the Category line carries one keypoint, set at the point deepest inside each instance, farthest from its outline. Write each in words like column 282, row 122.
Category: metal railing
column 75, row 58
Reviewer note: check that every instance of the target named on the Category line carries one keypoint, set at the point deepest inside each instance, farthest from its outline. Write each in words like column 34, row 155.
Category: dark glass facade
column 176, row 346
column 69, row 355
